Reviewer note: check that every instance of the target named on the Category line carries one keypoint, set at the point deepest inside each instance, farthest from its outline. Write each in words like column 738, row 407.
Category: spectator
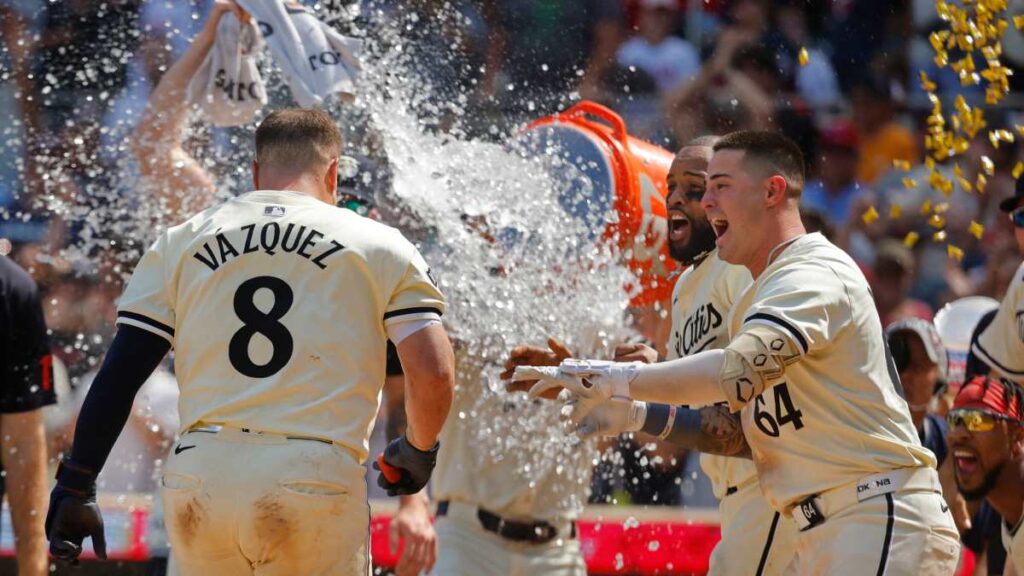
column 882, row 139
column 892, row 276
column 26, row 377
column 668, row 59
column 545, row 50
column 834, row 191
column 920, row 359
column 816, row 82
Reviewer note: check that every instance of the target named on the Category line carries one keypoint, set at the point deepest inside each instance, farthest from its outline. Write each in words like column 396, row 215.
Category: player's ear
column 331, row 179
column 255, row 175
column 776, row 188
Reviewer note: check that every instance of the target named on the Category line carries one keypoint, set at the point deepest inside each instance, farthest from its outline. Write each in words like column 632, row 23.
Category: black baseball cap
column 1011, row 203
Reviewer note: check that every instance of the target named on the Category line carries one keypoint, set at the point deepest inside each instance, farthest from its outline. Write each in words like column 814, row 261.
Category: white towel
column 316, row 60
column 228, row 86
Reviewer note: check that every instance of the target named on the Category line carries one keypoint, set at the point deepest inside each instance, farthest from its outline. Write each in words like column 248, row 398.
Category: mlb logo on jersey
column 276, row 211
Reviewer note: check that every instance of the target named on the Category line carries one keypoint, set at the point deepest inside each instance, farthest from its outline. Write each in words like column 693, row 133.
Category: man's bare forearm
column 24, row 460
column 712, row 430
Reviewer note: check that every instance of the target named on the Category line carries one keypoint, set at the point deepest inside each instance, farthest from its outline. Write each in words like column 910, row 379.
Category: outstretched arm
column 157, row 143
column 712, row 430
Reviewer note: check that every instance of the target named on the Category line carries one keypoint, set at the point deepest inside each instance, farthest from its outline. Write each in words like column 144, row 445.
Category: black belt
column 731, row 490
column 205, row 430
column 539, row 532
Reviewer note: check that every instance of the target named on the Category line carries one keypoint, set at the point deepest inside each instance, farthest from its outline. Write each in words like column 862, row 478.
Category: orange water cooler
column 624, row 196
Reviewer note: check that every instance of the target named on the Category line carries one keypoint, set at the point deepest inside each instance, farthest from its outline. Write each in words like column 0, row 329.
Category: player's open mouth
column 966, row 461
column 678, row 226
column 721, row 225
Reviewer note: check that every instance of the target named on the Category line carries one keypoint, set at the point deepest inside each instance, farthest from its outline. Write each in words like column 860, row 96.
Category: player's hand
column 72, row 517
column 533, row 356
column 588, row 379
column 404, row 468
column 609, row 418
column 412, row 525
column 635, row 352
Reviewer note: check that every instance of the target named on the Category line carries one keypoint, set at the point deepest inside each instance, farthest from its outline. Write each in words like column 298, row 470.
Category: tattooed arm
column 713, row 429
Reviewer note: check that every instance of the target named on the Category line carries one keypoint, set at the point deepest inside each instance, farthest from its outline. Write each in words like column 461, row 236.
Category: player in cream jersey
column 755, row 538
column 1001, row 344
column 807, row 368
column 279, row 306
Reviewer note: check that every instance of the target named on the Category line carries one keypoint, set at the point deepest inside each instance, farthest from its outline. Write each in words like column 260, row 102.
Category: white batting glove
column 591, row 379
column 609, row 418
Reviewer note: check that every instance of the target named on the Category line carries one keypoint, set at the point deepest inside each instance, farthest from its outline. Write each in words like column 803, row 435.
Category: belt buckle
column 810, row 511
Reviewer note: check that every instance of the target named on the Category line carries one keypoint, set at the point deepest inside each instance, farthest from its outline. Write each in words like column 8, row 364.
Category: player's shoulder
column 15, row 282
column 813, row 254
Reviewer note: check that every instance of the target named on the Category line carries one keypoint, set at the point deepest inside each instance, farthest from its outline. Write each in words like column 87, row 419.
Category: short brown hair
column 297, row 139
column 772, row 152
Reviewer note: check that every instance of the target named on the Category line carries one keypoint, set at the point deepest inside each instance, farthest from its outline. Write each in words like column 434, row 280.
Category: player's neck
column 1007, row 496
column 775, row 243
column 302, row 185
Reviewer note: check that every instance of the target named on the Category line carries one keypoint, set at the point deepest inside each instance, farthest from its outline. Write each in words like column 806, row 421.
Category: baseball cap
column 929, row 336
column 656, row 4
column 1014, row 201
column 839, row 135
column 987, row 394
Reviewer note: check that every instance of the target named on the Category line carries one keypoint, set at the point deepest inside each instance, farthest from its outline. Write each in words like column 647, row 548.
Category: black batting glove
column 74, row 515
column 404, row 469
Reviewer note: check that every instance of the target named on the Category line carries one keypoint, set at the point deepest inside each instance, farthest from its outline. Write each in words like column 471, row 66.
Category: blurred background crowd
column 75, row 76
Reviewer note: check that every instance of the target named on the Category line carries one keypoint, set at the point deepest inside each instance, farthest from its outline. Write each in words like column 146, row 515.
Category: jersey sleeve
column 806, row 301
column 146, row 302
column 416, row 296
column 27, row 380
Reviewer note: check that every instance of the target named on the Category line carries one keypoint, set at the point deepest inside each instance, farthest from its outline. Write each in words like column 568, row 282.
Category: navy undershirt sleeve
column 133, row 356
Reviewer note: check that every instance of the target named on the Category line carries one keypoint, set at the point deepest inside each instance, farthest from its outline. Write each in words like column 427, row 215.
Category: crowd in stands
column 840, row 77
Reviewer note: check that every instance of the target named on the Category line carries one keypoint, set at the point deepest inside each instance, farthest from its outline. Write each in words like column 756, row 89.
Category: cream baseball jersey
column 276, row 305
column 508, row 454
column 1013, row 542
column 1001, row 344
column 837, row 414
column 703, row 295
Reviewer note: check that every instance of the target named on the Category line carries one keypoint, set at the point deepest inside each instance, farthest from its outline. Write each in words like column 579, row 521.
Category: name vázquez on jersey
column 270, row 239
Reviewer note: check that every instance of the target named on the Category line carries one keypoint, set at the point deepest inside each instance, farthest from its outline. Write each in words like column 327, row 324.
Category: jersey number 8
column 267, row 324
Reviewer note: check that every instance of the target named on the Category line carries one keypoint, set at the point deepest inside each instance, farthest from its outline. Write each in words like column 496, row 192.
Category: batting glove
column 404, row 469
column 609, row 418
column 586, row 379
column 74, row 515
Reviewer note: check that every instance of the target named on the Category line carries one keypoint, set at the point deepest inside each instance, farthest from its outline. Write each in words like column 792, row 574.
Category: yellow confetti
column 958, row 171
column 954, row 252
column 939, row 236
column 942, row 208
column 803, row 57
column 926, row 207
column 909, row 183
column 911, row 239
column 1017, row 170
column 981, row 183
column 1018, row 22
column 987, row 165
column 926, row 84
column 937, row 221
column 895, row 211
column 870, row 215
column 901, row 165
column 976, row 230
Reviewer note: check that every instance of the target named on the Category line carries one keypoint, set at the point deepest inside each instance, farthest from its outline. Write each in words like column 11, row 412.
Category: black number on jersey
column 259, row 322
column 769, row 424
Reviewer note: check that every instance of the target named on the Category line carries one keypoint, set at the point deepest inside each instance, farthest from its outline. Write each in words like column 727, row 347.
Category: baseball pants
column 756, row 540
column 908, row 531
column 465, row 548
column 254, row 504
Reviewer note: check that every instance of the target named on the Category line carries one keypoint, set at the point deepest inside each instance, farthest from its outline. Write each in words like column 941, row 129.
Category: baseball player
column 279, row 306
column 1000, row 344
column 807, row 369
column 755, row 538
column 26, row 386
column 986, row 438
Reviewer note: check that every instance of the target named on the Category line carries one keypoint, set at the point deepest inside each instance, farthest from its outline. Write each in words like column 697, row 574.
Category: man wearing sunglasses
column 1000, row 345
column 986, row 438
